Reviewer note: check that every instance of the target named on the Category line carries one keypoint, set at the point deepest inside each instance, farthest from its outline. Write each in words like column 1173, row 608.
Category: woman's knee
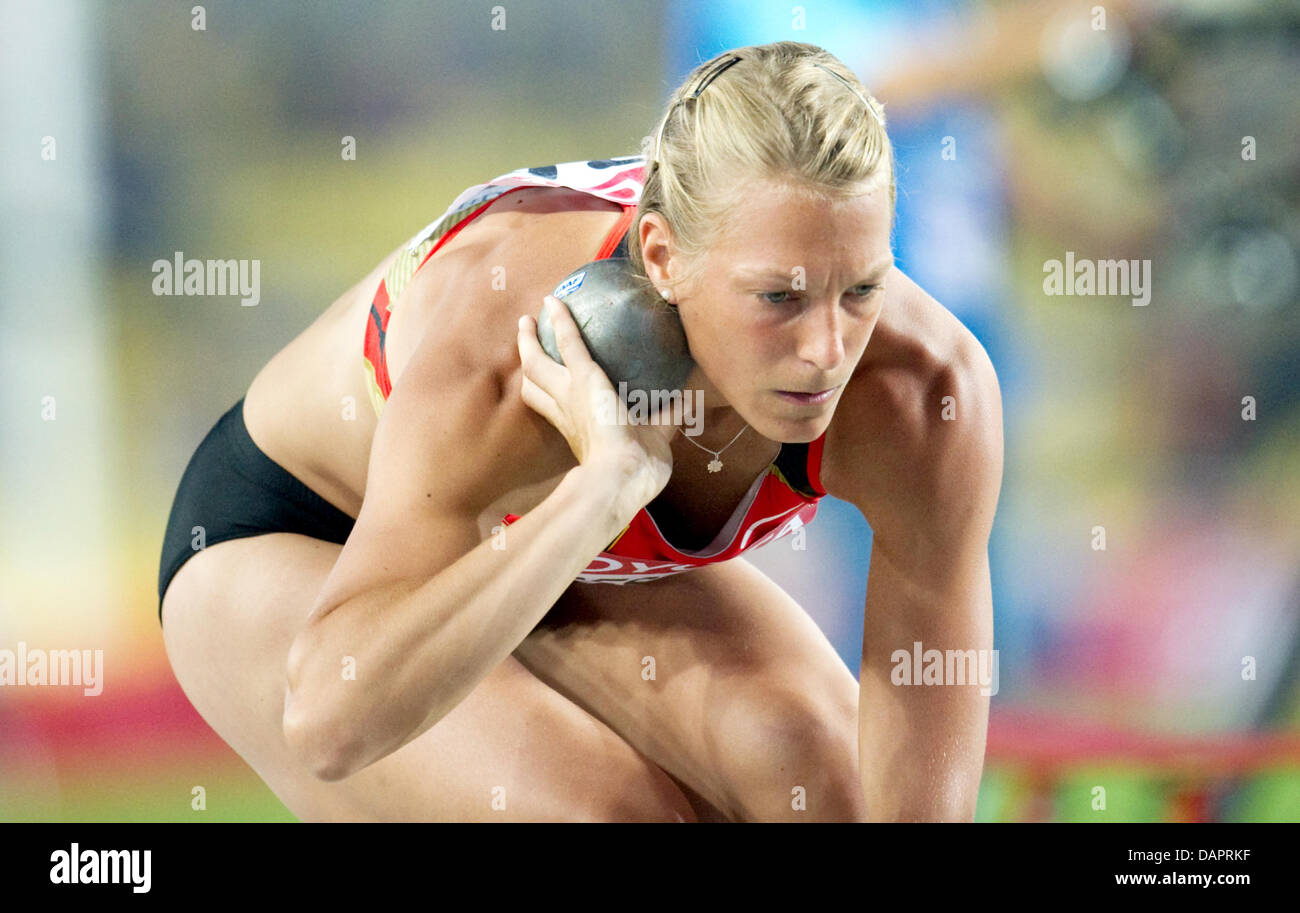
column 792, row 757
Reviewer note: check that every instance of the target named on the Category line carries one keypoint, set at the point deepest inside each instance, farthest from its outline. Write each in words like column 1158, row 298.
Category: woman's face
column 783, row 304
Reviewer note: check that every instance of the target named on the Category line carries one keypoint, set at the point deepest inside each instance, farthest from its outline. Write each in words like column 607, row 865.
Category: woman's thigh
column 514, row 750
column 721, row 679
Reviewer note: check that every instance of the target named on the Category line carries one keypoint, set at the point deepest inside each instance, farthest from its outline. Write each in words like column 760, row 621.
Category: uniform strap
column 618, row 234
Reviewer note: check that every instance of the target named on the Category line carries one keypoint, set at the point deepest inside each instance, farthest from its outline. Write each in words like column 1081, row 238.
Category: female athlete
column 468, row 599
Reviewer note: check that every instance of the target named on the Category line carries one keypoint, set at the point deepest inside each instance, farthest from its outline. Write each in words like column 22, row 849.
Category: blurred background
column 1164, row 668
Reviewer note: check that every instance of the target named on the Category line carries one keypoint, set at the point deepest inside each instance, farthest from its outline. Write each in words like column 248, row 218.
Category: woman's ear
column 656, row 248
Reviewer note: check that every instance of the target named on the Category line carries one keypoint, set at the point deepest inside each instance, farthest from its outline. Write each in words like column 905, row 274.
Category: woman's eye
column 784, row 297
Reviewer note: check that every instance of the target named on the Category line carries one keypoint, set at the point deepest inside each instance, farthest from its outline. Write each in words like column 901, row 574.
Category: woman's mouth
column 807, row 399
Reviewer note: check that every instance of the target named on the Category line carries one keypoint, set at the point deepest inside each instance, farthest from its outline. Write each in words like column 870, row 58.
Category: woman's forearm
column 920, row 749
column 427, row 645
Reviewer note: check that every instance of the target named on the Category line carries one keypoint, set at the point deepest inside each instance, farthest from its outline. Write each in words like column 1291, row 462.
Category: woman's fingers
column 572, row 349
column 575, row 397
column 536, row 363
column 541, row 402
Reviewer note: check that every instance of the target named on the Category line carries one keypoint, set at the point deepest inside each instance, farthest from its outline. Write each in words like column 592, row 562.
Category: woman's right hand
column 579, row 400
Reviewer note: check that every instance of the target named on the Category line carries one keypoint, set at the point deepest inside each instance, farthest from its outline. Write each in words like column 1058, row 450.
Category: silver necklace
column 715, row 465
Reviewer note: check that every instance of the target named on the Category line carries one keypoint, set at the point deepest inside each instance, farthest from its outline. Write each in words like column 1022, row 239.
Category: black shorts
column 231, row 489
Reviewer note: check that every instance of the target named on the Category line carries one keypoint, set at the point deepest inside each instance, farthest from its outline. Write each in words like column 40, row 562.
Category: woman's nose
column 821, row 343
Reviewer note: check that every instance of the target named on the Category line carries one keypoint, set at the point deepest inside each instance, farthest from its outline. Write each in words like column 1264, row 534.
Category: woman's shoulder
column 923, row 402
column 529, row 197
column 468, row 298
column 455, row 363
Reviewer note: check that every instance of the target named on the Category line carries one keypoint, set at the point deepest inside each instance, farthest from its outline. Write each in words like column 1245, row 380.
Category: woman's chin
column 792, row 429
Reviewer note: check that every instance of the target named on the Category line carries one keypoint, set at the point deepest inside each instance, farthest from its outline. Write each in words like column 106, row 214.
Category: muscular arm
column 420, row 607
column 929, row 488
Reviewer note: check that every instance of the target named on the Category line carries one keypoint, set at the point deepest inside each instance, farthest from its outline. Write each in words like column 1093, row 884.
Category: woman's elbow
column 318, row 744
column 310, row 726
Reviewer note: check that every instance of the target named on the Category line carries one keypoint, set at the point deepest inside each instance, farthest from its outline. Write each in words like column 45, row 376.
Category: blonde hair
column 786, row 111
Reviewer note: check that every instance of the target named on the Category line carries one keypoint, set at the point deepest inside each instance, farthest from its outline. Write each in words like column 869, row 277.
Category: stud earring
column 667, row 295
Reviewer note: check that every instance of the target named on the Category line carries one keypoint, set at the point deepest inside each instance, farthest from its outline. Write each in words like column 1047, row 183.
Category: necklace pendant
column 715, row 465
